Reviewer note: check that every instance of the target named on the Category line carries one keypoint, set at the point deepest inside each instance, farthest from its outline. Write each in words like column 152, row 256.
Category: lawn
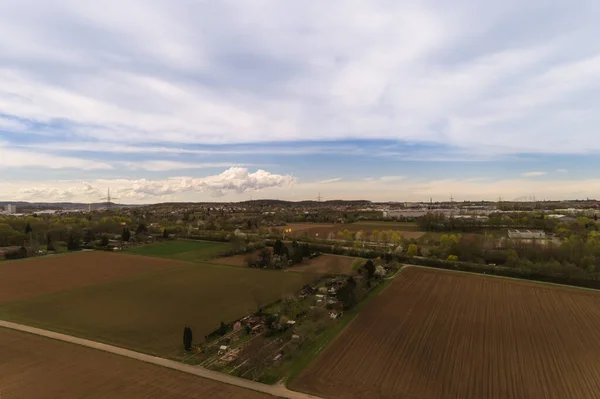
column 148, row 313
column 191, row 251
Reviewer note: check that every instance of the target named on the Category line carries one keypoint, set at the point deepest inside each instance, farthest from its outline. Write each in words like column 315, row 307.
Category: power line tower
column 319, row 198
column 109, row 199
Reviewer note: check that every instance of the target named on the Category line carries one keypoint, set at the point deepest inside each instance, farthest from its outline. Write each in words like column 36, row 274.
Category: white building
column 526, row 234
column 11, row 209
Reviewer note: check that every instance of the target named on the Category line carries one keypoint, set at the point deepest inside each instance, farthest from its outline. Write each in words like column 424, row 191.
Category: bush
column 16, row 254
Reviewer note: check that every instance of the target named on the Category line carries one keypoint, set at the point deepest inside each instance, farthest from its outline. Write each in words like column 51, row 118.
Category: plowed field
column 34, row 367
column 148, row 313
column 32, row 277
column 438, row 334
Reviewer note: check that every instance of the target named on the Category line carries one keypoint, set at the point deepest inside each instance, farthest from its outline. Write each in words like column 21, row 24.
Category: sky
column 384, row 100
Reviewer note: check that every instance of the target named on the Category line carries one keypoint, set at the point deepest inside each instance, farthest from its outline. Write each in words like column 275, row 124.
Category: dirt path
column 276, row 390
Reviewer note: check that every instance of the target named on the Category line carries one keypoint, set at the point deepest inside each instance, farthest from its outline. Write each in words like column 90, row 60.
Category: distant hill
column 61, row 205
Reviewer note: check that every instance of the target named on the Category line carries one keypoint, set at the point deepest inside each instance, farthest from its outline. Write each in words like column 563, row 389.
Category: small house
column 334, row 315
column 257, row 329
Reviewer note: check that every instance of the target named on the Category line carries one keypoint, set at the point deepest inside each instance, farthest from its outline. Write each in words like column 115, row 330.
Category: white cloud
column 232, row 180
column 329, row 180
column 534, row 173
column 562, row 170
column 478, row 77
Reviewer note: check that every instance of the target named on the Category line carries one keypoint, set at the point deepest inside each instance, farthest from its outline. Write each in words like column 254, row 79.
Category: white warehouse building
column 526, row 234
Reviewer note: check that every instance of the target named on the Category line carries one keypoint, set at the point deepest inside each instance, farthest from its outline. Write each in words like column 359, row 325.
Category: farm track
column 437, row 334
column 276, row 390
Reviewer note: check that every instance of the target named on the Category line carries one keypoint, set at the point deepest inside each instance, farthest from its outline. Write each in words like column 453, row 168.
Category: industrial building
column 11, row 209
column 527, row 234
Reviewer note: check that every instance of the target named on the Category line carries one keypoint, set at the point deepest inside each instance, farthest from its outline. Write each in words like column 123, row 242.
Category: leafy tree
column 104, row 241
column 238, row 243
column 187, row 338
column 223, row 329
column 413, row 250
column 305, row 249
column 126, row 234
column 347, row 295
column 141, row 229
column 452, row 258
column 264, row 257
column 512, row 258
column 370, row 269
column 10, row 236
column 285, row 252
column 28, row 229
column 49, row 245
column 278, row 247
column 251, row 260
column 88, row 236
column 380, row 271
column 589, row 263
column 165, row 233
column 72, row 242
column 297, row 255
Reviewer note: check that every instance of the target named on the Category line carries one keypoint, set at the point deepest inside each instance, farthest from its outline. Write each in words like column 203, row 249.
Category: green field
column 148, row 313
column 191, row 251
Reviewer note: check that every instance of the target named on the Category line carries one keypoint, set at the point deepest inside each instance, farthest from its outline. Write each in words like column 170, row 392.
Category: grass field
column 438, row 334
column 191, row 251
column 148, row 313
column 34, row 367
column 31, row 277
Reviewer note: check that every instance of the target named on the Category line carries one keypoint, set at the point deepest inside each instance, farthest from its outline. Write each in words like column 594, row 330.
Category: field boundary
column 278, row 390
column 523, row 280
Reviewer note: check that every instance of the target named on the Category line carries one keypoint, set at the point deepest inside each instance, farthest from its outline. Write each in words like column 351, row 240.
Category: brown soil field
column 235, row 260
column 36, row 276
column 439, row 334
column 147, row 313
column 34, row 367
column 323, row 230
column 325, row 264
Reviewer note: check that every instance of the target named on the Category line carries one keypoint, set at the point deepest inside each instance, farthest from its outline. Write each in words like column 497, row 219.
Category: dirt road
column 276, row 390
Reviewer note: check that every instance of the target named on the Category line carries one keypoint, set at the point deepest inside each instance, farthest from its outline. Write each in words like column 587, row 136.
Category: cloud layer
column 237, row 180
column 469, row 75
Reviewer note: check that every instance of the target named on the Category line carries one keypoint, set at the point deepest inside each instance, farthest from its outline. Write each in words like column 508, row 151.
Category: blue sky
column 381, row 100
